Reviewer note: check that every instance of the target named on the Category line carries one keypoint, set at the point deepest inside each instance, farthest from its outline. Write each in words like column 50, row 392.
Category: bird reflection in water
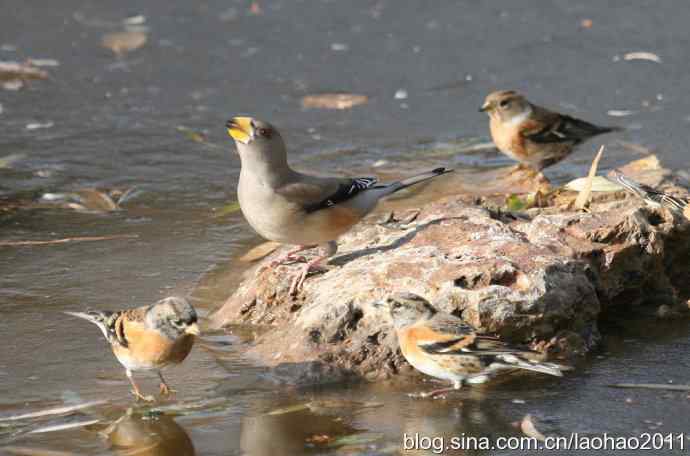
column 148, row 435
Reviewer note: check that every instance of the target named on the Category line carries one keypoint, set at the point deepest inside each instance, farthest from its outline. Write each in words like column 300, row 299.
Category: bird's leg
column 313, row 265
column 165, row 390
column 290, row 256
column 136, row 391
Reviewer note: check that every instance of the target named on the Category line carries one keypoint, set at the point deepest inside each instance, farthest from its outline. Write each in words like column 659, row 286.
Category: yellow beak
column 193, row 330
column 240, row 128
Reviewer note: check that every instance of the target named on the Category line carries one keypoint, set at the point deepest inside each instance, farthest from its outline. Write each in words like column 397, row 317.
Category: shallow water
column 116, row 125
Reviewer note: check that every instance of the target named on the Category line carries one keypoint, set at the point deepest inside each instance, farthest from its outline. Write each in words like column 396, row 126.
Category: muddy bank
column 542, row 277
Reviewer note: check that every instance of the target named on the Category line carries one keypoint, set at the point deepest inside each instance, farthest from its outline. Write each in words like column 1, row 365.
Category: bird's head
column 406, row 308
column 505, row 105
column 174, row 317
column 256, row 139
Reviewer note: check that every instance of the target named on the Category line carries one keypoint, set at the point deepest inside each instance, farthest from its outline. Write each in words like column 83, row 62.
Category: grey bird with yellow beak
column 288, row 207
column 532, row 135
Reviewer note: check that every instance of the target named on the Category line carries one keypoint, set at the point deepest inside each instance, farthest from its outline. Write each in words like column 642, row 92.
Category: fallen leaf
column 586, row 23
column 583, row 198
column 529, row 429
column 333, row 101
column 260, row 252
column 122, row 42
column 228, row 209
column 10, row 71
column 642, row 56
column 599, row 184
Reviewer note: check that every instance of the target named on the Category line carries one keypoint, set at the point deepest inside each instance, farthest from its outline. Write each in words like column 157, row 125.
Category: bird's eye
column 265, row 132
column 504, row 103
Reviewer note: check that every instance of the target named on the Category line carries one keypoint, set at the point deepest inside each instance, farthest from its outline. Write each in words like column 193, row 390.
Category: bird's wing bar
column 345, row 191
column 472, row 343
column 563, row 129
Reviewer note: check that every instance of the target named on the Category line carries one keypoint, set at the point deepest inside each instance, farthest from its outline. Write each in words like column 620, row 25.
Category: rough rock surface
column 543, row 278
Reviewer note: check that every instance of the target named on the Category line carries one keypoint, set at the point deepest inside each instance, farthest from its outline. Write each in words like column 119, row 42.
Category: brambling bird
column 285, row 206
column 652, row 197
column 149, row 337
column 443, row 346
column 532, row 135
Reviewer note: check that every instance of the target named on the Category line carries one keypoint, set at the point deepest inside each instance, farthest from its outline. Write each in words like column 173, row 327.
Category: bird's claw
column 165, row 390
column 141, row 397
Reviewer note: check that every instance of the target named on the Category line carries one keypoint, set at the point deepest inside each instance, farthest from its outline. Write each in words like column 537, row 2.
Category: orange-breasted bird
column 149, row 337
column 532, row 135
column 443, row 346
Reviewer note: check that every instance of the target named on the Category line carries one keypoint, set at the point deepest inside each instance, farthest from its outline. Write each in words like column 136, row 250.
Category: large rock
column 542, row 279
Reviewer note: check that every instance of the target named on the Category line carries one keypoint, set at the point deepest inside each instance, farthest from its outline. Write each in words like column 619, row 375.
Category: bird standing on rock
column 288, row 207
column 443, row 346
column 532, row 135
column 149, row 337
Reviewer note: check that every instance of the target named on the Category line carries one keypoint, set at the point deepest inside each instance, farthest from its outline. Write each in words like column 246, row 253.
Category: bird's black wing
column 344, row 192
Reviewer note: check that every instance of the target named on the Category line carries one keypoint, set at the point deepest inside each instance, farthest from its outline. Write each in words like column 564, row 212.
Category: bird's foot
column 298, row 281
column 140, row 397
column 165, row 390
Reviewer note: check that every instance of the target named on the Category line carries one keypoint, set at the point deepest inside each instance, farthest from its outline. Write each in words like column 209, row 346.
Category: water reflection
column 148, row 435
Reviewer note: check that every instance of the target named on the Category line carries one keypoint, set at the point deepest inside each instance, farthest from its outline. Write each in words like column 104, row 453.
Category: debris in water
column 642, row 56
column 333, row 101
column 400, row 94
column 13, row 75
column 53, row 411
column 139, row 19
column 23, row 71
column 620, row 112
column 652, row 386
column 586, row 23
column 39, row 125
column 529, row 429
column 43, row 62
column 123, row 42
column 67, row 240
column 8, row 160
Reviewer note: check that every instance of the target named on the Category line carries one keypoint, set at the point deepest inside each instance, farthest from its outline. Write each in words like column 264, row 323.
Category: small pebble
column 339, row 47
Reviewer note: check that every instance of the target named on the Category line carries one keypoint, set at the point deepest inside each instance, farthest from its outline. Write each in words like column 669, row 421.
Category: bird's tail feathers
column 650, row 195
column 535, row 366
column 98, row 318
column 397, row 186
